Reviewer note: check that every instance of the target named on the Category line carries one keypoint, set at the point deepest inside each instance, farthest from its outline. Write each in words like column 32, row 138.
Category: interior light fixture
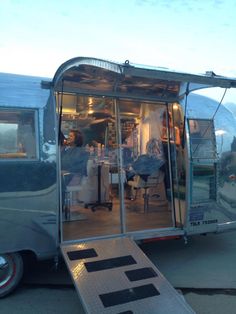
column 175, row 106
column 90, row 111
column 90, row 100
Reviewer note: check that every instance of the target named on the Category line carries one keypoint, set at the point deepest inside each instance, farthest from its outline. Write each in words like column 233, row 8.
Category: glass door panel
column 144, row 166
column 90, row 206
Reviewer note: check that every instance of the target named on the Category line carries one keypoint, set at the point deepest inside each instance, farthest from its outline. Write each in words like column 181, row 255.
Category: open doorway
column 107, row 186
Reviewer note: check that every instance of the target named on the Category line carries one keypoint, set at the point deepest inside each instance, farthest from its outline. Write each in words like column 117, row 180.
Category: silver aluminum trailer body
column 202, row 200
column 28, row 187
column 29, row 193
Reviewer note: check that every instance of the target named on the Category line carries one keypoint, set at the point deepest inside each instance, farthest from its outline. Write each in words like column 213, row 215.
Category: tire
column 11, row 272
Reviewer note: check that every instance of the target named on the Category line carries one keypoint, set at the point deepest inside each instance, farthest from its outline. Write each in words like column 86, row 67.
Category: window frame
column 35, row 135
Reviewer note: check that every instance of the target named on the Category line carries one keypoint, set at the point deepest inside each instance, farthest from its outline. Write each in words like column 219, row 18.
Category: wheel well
column 28, row 256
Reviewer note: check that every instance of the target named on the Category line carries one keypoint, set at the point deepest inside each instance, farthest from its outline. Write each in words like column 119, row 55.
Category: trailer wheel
column 11, row 272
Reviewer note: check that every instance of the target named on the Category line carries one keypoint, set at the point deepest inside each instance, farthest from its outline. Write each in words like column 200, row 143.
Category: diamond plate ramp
column 115, row 276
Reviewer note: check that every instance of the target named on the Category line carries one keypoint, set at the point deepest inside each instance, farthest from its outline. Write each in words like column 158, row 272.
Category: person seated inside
column 147, row 164
column 127, row 149
column 73, row 157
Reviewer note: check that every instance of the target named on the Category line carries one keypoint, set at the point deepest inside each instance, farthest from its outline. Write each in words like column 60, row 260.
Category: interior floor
column 84, row 222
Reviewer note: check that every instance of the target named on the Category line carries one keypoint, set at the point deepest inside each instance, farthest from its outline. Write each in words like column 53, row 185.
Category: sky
column 195, row 36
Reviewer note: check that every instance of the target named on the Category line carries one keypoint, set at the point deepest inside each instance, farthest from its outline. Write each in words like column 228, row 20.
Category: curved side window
column 18, row 134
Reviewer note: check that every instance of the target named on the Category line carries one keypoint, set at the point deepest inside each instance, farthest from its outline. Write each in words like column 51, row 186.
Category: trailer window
column 202, row 139
column 17, row 134
column 204, row 183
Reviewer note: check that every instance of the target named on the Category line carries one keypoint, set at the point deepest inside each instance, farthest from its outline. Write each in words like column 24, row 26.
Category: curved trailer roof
column 98, row 77
column 22, row 91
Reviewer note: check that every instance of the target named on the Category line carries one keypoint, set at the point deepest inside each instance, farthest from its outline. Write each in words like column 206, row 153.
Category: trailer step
column 115, row 276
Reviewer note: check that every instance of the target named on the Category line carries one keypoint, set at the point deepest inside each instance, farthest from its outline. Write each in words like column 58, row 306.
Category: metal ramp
column 114, row 276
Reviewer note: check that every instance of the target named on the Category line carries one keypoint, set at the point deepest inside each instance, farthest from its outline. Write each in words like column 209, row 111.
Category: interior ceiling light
column 90, row 100
column 175, row 106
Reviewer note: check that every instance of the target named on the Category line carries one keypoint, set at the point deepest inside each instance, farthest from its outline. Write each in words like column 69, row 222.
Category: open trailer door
column 115, row 276
column 212, row 167
column 110, row 272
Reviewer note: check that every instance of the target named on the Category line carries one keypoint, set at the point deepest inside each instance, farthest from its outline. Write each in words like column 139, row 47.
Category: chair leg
column 136, row 192
column 67, row 206
column 146, row 200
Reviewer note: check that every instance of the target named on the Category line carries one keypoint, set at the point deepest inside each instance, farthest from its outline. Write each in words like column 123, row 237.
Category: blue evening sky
column 185, row 35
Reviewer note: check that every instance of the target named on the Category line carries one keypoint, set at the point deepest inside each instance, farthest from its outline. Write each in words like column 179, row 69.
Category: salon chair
column 146, row 182
column 74, row 185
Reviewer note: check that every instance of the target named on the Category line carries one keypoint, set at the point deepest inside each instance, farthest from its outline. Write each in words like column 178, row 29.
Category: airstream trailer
column 125, row 113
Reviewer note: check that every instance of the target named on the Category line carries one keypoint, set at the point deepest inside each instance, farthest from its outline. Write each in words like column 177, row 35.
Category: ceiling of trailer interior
column 91, row 83
column 87, row 78
column 102, row 107
column 82, row 78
